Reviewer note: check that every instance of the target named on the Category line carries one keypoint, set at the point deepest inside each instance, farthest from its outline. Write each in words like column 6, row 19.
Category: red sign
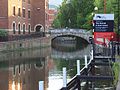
column 103, row 38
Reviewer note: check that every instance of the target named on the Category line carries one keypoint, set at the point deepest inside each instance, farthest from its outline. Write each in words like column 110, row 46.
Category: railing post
column 41, row 85
column 86, row 66
column 92, row 55
column 64, row 78
column 86, row 61
column 78, row 67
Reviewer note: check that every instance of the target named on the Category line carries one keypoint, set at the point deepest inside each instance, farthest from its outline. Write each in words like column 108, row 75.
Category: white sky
column 55, row 2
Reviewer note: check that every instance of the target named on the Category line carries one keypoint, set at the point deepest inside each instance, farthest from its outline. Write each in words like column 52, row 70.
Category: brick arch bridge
column 70, row 32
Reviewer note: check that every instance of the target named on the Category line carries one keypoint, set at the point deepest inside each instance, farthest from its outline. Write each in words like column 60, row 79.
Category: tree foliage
column 75, row 14
column 111, row 8
column 3, row 33
column 78, row 13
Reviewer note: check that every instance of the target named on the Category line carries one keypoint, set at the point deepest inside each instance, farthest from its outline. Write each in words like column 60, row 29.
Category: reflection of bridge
column 70, row 55
column 71, row 32
column 25, row 54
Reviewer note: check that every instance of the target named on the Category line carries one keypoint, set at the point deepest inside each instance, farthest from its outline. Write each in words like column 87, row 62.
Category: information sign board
column 103, row 22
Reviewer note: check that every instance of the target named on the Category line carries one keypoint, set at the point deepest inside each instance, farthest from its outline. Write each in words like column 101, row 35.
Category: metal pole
column 78, row 67
column 86, row 61
column 118, row 49
column 41, row 85
column 64, row 77
column 104, row 6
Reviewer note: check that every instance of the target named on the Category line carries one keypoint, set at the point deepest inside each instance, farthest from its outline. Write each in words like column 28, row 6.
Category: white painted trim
column 29, row 9
column 23, row 7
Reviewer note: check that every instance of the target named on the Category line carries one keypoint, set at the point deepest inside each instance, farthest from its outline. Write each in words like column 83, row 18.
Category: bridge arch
column 70, row 35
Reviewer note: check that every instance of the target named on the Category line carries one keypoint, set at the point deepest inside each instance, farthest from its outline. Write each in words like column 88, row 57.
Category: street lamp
column 96, row 8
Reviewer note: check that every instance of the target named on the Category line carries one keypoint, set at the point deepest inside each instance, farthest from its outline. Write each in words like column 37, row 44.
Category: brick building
column 52, row 14
column 23, row 16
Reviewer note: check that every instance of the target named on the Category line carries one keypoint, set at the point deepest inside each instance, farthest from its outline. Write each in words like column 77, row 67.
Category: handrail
column 81, row 69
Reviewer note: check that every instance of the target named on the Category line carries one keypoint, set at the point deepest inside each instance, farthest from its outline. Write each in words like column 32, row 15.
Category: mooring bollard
column 41, row 85
column 86, row 61
column 78, row 67
column 64, row 77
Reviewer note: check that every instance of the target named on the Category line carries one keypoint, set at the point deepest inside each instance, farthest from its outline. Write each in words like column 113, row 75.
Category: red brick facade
column 23, row 16
column 52, row 15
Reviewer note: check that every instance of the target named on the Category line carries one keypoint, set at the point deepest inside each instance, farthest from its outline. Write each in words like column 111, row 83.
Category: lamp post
column 104, row 6
column 118, row 48
column 93, row 42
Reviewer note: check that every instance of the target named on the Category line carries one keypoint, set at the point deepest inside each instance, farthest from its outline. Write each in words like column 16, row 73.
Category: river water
column 23, row 70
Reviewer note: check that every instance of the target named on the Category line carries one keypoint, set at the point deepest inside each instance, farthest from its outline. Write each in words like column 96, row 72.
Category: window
column 14, row 10
column 29, row 1
column 29, row 28
column 14, row 70
column 29, row 14
column 24, row 66
column 18, row 28
column 24, row 13
column 19, row 69
column 23, row 28
column 19, row 12
column 13, row 28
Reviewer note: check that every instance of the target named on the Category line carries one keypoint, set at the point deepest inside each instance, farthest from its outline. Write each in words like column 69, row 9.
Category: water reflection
column 23, row 70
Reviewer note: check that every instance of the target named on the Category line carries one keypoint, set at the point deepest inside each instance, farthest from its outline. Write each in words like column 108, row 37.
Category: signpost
column 103, row 28
column 103, row 22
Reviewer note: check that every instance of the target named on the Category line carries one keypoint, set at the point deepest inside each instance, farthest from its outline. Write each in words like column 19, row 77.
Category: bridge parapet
column 73, row 32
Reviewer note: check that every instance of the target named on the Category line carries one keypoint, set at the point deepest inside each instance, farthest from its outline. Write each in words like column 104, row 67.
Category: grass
column 116, row 69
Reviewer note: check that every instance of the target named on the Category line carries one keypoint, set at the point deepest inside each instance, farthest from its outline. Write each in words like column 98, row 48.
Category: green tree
column 111, row 8
column 75, row 14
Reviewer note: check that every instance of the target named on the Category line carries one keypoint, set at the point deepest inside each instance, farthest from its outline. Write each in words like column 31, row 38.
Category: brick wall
column 38, row 10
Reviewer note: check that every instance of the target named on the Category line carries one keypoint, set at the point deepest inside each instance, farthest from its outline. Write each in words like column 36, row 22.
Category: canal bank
column 118, row 83
column 25, row 44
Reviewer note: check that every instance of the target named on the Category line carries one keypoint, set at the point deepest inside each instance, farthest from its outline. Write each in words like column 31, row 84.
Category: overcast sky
column 55, row 2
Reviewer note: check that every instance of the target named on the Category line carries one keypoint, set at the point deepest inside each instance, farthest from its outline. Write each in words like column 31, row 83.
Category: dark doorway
column 38, row 28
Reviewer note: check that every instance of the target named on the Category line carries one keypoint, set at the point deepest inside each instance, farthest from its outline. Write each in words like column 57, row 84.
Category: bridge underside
column 78, row 38
column 68, row 43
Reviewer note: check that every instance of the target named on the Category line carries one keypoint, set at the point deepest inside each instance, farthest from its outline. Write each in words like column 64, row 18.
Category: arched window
column 19, row 69
column 29, row 28
column 14, row 70
column 19, row 29
column 23, row 28
column 14, row 28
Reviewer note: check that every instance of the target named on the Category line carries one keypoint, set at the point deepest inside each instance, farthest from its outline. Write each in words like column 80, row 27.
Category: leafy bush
column 3, row 33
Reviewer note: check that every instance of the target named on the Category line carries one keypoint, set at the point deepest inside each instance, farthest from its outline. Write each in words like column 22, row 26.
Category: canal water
column 23, row 70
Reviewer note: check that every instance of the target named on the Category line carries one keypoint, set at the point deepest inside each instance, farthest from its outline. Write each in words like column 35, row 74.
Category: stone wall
column 25, row 44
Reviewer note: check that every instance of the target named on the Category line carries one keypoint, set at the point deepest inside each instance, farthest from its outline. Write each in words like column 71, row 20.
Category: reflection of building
column 23, row 70
column 24, row 75
column 52, row 14
column 23, row 16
